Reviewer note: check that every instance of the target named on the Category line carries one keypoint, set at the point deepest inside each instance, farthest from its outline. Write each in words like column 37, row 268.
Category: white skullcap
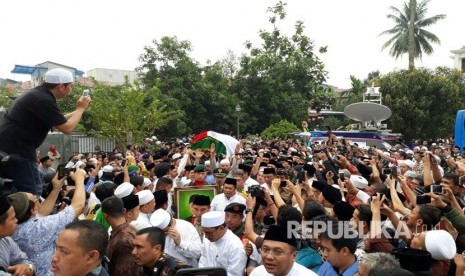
column 359, row 181
column 58, row 75
column 416, row 148
column 107, row 168
column 160, row 218
column 207, row 163
column 78, row 164
column 424, row 148
column 224, row 162
column 292, row 149
column 176, row 156
column 93, row 160
column 145, row 196
column 212, row 219
column 409, row 163
column 147, row 182
column 410, row 174
column 409, row 152
column 440, row 244
column 124, row 189
column 158, row 142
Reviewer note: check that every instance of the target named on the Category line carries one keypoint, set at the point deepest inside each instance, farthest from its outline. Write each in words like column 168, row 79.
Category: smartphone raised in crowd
column 123, row 162
column 423, row 199
column 85, row 93
column 437, row 189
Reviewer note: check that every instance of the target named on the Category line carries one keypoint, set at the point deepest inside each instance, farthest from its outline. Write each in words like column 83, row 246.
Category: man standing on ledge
column 26, row 123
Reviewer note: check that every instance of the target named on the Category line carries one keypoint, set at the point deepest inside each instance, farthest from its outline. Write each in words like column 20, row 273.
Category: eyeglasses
column 274, row 252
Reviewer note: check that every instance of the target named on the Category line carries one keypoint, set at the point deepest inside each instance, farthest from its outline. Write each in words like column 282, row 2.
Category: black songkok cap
column 309, row 168
column 245, row 168
column 280, row 234
column 319, row 185
column 268, row 171
column 331, row 194
column 343, row 210
column 230, row 181
column 413, row 259
column 201, row 200
column 130, row 202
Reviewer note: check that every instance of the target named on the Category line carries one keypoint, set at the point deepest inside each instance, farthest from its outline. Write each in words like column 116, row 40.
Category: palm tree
column 408, row 35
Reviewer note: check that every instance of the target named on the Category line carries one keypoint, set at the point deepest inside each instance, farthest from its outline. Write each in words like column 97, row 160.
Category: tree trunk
column 411, row 34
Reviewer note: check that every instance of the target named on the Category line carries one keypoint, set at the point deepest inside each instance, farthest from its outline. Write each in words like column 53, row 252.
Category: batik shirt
column 36, row 237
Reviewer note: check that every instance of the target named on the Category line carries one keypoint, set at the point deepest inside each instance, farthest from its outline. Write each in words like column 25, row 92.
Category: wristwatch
column 248, row 210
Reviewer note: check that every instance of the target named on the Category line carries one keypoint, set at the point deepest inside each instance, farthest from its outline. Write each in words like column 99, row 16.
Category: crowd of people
column 281, row 207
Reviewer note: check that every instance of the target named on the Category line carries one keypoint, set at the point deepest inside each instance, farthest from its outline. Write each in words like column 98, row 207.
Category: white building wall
column 112, row 76
column 459, row 58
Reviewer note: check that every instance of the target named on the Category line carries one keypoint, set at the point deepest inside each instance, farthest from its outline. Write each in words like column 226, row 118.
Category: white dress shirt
column 249, row 182
column 227, row 252
column 142, row 221
column 189, row 248
column 296, row 270
column 220, row 201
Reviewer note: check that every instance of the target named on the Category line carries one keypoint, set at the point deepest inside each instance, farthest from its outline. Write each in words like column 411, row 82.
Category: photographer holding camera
column 26, row 123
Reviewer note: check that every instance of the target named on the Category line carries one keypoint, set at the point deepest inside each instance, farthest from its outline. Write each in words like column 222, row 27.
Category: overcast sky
column 111, row 34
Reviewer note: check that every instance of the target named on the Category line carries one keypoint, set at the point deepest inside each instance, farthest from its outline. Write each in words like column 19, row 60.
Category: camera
column 437, row 189
column 257, row 191
column 123, row 162
column 85, row 93
column 66, row 200
column 342, row 176
column 423, row 199
column 283, row 184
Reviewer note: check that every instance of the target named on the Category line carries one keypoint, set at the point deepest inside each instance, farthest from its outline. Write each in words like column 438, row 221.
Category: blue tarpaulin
column 28, row 70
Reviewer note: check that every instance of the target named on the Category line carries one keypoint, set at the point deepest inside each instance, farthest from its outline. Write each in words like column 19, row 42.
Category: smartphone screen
column 123, row 163
column 342, row 176
column 436, row 189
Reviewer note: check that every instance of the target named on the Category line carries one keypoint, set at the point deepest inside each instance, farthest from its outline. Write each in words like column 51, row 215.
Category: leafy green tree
column 282, row 129
column 423, row 102
column 409, row 35
column 6, row 96
column 117, row 111
column 278, row 79
column 201, row 94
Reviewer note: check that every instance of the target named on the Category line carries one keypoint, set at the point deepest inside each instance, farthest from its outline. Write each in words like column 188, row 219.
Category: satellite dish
column 367, row 112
